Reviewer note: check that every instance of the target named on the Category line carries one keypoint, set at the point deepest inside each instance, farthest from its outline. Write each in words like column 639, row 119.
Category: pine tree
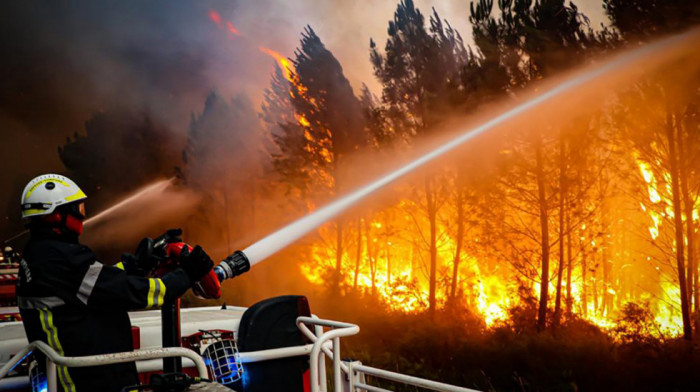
column 328, row 126
column 420, row 76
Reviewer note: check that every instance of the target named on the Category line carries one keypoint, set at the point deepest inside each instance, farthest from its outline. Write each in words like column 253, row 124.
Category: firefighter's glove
column 196, row 264
column 143, row 261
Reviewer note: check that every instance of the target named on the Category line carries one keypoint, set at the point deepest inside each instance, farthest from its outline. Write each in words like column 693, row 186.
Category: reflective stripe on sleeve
column 39, row 302
column 156, row 293
column 89, row 281
column 120, row 265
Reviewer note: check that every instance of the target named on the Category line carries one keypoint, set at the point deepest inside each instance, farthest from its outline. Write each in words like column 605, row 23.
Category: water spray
column 156, row 187
column 241, row 261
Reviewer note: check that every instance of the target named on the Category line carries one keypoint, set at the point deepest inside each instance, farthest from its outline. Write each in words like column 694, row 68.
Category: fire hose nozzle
column 232, row 266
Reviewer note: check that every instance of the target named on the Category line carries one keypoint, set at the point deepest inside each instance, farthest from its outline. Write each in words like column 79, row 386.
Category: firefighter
column 9, row 255
column 73, row 302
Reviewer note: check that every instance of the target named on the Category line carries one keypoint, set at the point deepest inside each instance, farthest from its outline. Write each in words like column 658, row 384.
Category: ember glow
column 227, row 25
column 215, row 17
column 232, row 29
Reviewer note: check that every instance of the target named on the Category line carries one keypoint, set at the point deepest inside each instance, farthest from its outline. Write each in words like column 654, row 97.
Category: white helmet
column 44, row 193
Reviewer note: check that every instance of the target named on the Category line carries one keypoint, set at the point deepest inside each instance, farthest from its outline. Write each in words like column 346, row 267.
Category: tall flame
column 284, row 63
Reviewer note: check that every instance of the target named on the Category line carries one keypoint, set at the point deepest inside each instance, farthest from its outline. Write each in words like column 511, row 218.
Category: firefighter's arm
column 112, row 287
column 115, row 289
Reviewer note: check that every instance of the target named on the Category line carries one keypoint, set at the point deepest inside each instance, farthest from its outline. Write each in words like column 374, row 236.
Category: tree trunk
column 688, row 204
column 544, row 235
column 606, row 287
column 569, row 299
column 562, row 212
column 432, row 218
column 370, row 258
column 584, row 284
column 358, row 256
column 678, row 224
column 595, row 291
column 338, row 253
column 458, row 250
column 388, row 259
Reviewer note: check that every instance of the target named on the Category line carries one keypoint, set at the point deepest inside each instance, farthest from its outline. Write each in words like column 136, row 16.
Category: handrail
column 53, row 358
column 339, row 330
column 398, row 377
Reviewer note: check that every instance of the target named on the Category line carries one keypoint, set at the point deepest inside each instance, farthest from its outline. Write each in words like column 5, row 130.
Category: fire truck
column 9, row 266
column 275, row 345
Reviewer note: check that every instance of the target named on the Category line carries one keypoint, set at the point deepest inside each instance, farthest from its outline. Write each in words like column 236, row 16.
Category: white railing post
column 337, row 386
column 321, row 359
column 338, row 330
column 50, row 375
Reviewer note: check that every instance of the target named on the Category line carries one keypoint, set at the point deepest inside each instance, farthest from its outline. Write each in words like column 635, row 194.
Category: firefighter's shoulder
column 50, row 252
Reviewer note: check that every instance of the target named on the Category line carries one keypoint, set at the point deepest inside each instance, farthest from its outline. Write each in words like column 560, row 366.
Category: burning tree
column 663, row 126
column 531, row 43
column 661, row 119
column 328, row 126
column 419, row 72
column 561, row 232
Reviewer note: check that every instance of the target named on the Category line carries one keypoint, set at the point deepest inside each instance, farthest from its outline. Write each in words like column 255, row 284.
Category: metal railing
column 350, row 376
column 338, row 330
column 347, row 376
column 356, row 368
column 53, row 359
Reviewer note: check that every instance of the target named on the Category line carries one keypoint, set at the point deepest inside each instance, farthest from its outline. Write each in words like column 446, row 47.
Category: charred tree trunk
column 458, row 250
column 606, row 287
column 370, row 259
column 544, row 235
column 358, row 256
column 678, row 223
column 688, row 204
column 562, row 212
column 432, row 218
column 569, row 262
column 388, row 264
column 338, row 253
column 584, row 284
column 595, row 290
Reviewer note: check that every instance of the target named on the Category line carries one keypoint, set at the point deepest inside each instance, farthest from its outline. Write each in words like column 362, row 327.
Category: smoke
column 62, row 63
column 145, row 213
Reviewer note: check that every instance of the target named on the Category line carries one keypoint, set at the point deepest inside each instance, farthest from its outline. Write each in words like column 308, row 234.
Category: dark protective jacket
column 78, row 306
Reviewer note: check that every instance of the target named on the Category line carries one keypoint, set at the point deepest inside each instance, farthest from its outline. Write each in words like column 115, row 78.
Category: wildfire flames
column 387, row 259
column 384, row 255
